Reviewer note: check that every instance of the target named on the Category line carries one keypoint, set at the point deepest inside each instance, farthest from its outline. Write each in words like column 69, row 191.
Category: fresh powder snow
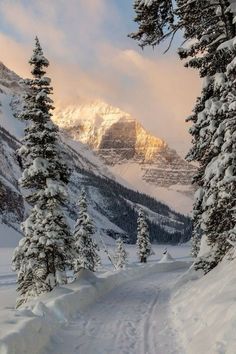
column 124, row 311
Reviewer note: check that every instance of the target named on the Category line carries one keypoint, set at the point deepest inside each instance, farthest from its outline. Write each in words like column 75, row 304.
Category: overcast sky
column 91, row 57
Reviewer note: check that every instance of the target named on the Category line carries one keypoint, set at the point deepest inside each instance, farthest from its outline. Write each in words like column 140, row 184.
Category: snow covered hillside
column 143, row 161
column 177, row 196
column 110, row 203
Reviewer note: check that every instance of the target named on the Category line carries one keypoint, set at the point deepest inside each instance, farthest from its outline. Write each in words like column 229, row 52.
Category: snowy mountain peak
column 145, row 161
column 104, row 127
column 90, row 121
column 72, row 113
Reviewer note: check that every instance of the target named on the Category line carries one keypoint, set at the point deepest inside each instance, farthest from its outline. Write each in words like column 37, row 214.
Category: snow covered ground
column 130, row 319
column 7, row 277
column 71, row 317
column 158, row 308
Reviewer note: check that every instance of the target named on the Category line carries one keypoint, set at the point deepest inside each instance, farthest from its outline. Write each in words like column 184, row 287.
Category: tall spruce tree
column 206, row 26
column 143, row 240
column 86, row 250
column 44, row 252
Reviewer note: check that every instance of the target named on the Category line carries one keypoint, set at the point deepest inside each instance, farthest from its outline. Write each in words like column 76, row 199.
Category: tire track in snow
column 160, row 336
column 130, row 319
column 148, row 341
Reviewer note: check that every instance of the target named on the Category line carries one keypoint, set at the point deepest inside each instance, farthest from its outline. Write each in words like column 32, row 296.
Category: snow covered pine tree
column 220, row 176
column 143, row 241
column 209, row 29
column 86, row 250
column 44, row 252
column 120, row 254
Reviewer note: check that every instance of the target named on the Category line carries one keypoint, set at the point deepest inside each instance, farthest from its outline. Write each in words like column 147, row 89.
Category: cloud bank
column 91, row 57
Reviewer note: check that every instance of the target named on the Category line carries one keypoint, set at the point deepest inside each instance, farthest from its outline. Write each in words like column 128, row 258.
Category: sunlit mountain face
column 145, row 162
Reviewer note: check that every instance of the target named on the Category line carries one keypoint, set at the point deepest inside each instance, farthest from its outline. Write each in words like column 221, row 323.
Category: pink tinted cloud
column 159, row 92
column 161, row 95
column 25, row 21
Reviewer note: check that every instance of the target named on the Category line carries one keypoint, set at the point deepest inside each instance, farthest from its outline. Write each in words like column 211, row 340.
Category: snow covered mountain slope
column 144, row 161
column 11, row 200
column 111, row 205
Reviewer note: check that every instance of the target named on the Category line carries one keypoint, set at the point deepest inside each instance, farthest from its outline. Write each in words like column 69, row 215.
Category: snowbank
column 29, row 329
column 167, row 258
column 204, row 310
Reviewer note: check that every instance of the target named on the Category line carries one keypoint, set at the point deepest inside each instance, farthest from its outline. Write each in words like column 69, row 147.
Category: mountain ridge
column 97, row 118
column 130, row 151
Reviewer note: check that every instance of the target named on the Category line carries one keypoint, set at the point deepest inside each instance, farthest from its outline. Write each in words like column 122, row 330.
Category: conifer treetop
column 38, row 60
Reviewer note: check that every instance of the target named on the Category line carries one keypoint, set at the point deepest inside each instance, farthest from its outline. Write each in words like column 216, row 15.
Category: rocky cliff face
column 104, row 127
column 123, row 144
column 11, row 200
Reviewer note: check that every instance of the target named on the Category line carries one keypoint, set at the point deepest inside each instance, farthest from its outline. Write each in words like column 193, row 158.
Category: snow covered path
column 130, row 319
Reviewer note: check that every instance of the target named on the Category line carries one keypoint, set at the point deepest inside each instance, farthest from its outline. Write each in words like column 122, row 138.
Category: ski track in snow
column 131, row 319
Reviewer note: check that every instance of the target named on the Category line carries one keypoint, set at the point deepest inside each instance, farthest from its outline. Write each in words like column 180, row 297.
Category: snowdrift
column 167, row 258
column 29, row 329
column 204, row 310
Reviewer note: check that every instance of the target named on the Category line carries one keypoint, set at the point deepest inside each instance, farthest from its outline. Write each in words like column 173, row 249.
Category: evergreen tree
column 120, row 254
column 44, row 252
column 86, row 250
column 207, row 27
column 143, row 241
column 220, row 198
